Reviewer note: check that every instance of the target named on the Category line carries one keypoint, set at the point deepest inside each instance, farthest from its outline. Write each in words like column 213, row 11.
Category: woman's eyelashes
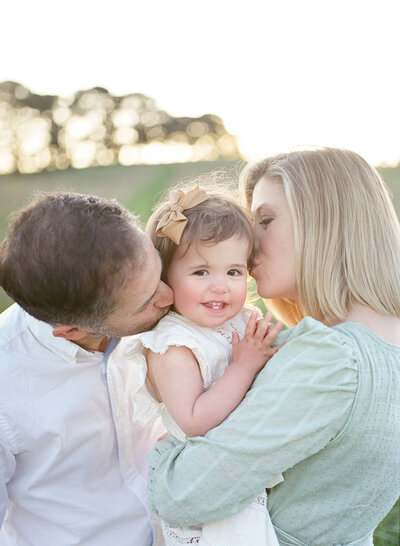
column 264, row 222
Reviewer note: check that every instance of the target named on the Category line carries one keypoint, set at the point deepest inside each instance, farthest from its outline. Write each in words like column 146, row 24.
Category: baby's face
column 210, row 281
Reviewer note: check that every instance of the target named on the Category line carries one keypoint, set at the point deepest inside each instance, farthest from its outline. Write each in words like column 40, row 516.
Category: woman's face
column 274, row 264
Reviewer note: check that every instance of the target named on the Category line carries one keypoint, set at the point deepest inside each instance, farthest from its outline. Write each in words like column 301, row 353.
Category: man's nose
column 165, row 296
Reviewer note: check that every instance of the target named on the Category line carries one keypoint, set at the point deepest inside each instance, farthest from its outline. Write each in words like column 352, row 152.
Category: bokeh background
column 124, row 99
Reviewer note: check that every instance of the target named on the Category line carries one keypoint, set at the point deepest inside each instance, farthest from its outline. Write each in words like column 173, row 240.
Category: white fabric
column 212, row 348
column 250, row 527
column 73, row 467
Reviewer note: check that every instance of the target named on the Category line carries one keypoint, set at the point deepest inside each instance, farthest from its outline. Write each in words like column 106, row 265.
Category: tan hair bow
column 173, row 222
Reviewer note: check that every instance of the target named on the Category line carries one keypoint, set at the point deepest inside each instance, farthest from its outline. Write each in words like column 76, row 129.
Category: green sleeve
column 297, row 404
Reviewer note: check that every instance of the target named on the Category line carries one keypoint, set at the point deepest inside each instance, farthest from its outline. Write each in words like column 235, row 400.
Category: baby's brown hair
column 216, row 219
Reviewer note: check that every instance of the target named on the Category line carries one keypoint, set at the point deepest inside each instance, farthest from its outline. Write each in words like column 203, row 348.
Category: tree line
column 93, row 127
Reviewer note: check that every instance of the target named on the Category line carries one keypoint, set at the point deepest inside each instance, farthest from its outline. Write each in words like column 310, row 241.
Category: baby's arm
column 176, row 377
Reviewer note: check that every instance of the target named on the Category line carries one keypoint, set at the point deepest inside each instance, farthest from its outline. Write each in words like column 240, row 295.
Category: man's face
column 142, row 300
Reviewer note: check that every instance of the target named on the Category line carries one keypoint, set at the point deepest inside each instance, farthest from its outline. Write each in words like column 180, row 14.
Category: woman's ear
column 69, row 332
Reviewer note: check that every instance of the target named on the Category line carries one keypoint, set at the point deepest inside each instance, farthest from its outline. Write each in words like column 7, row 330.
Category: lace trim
column 261, row 500
column 227, row 336
column 182, row 540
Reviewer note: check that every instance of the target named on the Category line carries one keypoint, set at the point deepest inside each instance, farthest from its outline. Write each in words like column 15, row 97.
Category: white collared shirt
column 73, row 467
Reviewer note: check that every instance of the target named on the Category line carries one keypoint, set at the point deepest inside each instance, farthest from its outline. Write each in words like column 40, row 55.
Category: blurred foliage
column 96, row 128
column 388, row 531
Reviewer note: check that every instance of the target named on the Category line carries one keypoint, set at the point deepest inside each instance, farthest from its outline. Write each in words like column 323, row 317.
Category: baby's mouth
column 215, row 305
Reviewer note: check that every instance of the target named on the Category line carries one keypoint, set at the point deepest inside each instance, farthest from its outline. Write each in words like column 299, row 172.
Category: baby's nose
column 219, row 287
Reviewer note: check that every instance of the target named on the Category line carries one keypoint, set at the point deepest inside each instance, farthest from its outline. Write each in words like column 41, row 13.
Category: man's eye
column 200, row 272
column 234, row 273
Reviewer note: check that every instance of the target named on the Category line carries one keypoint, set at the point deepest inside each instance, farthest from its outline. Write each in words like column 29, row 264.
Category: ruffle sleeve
column 146, row 407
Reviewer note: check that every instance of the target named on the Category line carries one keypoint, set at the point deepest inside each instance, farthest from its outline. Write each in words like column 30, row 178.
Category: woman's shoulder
column 312, row 347
column 357, row 333
column 346, row 336
column 314, row 361
column 312, row 330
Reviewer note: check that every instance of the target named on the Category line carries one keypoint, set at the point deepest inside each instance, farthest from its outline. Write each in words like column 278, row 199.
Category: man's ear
column 69, row 332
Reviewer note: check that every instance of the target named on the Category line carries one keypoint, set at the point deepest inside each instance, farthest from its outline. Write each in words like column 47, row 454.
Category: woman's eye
column 234, row 273
column 265, row 221
column 200, row 272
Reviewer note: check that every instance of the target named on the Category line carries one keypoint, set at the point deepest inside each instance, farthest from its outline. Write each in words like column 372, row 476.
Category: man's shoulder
column 12, row 324
column 21, row 339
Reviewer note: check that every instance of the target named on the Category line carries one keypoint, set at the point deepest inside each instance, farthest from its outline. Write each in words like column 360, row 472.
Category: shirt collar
column 64, row 348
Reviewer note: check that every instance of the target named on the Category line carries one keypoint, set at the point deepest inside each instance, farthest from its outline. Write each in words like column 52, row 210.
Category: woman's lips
column 253, row 269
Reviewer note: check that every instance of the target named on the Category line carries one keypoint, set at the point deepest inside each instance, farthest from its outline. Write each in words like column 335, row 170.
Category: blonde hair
column 347, row 234
column 216, row 219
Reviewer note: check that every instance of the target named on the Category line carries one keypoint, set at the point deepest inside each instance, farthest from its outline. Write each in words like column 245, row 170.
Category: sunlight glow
column 280, row 74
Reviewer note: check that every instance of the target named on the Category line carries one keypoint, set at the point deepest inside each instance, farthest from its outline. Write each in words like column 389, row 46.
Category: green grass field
column 138, row 188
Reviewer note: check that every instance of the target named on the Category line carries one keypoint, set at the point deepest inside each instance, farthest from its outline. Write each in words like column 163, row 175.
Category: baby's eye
column 200, row 272
column 264, row 222
column 234, row 273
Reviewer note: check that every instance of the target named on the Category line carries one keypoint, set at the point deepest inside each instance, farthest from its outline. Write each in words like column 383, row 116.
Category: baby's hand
column 254, row 350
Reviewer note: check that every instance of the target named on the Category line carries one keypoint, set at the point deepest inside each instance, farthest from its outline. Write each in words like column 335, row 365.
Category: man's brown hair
column 66, row 255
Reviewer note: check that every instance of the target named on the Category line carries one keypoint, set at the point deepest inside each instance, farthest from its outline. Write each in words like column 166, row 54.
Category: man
column 72, row 463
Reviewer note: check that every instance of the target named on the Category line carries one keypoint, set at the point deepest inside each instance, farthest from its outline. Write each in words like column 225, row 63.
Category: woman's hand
column 254, row 350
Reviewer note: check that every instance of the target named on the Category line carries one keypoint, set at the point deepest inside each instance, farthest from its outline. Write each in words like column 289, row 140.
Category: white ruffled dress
column 212, row 348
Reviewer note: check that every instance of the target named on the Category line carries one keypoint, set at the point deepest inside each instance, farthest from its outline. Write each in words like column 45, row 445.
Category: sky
column 282, row 74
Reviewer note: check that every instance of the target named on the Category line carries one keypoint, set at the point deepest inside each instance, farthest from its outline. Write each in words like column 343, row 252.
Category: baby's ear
column 69, row 332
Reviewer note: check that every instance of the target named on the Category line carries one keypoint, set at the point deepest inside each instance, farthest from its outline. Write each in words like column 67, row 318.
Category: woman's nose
column 253, row 256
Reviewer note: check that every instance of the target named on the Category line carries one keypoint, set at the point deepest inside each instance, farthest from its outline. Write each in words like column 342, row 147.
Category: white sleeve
column 7, row 468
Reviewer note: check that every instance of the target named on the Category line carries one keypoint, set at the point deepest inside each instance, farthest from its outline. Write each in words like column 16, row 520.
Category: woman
column 325, row 410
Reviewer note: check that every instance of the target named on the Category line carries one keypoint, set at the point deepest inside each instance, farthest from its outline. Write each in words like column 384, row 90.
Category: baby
column 197, row 364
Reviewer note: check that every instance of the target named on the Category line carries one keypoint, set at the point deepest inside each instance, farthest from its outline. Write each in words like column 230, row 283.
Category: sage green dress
column 325, row 412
